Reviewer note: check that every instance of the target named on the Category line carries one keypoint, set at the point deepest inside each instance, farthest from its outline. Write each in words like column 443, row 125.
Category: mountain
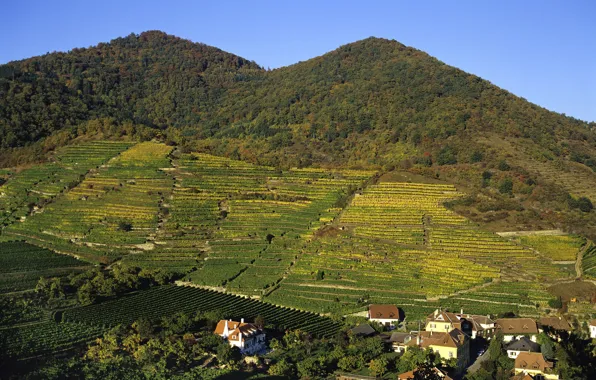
column 374, row 103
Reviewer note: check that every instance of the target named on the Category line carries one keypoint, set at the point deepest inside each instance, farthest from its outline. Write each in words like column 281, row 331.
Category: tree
column 506, row 186
column 125, row 225
column 495, row 348
column 227, row 354
column 555, row 303
column 310, row 368
column 282, row 368
column 260, row 321
column 379, row 366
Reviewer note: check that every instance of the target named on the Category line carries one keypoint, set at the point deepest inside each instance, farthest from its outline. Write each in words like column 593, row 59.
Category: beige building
column 444, row 321
column 534, row 364
column 448, row 345
column 516, row 328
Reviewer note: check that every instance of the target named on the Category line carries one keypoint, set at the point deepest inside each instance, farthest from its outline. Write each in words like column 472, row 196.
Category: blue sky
column 544, row 51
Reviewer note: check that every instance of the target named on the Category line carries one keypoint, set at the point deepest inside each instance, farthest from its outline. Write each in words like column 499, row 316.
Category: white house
column 593, row 329
column 387, row 315
column 246, row 336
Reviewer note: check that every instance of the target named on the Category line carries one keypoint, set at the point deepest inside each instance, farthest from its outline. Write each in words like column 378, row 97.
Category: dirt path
column 580, row 256
column 531, row 233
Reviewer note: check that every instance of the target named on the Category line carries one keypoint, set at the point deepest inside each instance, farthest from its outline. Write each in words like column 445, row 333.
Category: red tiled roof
column 455, row 338
column 556, row 323
column 517, row 325
column 383, row 312
column 532, row 361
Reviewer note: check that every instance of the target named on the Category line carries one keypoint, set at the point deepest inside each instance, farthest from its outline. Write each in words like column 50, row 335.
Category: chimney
column 241, row 320
column 418, row 339
column 436, row 312
column 226, row 332
column 461, row 311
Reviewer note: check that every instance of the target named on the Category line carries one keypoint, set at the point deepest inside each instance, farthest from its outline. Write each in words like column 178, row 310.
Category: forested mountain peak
column 374, row 103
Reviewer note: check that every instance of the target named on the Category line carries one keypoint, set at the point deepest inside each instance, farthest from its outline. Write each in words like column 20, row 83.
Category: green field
column 557, row 248
column 168, row 300
column 22, row 264
column 321, row 240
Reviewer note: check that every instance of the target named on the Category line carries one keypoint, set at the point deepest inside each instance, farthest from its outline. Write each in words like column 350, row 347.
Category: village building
column 387, row 315
column 400, row 340
column 444, row 321
column 246, row 336
column 554, row 323
column 448, row 345
column 534, row 365
column 363, row 330
column 410, row 375
column 593, row 329
column 482, row 325
column 515, row 328
column 524, row 344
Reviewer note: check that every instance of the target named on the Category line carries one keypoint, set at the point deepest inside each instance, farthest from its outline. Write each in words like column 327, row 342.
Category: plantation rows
column 88, row 221
column 489, row 249
column 167, row 300
column 47, row 337
column 39, row 184
column 589, row 261
column 241, row 225
column 400, row 244
column 557, row 248
column 22, row 264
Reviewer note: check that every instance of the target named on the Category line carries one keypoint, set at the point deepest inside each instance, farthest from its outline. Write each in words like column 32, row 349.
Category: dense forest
column 374, row 103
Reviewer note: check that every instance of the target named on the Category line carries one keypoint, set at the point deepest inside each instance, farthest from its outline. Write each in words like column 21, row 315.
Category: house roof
column 410, row 375
column 443, row 316
column 454, row 339
column 593, row 322
column 235, row 328
column 557, row 323
column 400, row 337
column 517, row 325
column 480, row 319
column 523, row 344
column 363, row 329
column 532, row 361
column 383, row 312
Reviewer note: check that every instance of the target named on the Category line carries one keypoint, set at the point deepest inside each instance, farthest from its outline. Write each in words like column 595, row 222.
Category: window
column 450, row 354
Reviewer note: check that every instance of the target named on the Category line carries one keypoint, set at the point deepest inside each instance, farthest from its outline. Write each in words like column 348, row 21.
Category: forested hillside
column 374, row 103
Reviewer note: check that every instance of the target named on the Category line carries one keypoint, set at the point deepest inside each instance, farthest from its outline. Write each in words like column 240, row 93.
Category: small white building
column 387, row 315
column 593, row 329
column 246, row 336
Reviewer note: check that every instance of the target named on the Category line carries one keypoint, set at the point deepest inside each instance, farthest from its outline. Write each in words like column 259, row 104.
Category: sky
column 543, row 51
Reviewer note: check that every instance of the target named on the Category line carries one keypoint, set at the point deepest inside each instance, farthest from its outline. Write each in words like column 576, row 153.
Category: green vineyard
column 168, row 300
column 22, row 264
column 318, row 240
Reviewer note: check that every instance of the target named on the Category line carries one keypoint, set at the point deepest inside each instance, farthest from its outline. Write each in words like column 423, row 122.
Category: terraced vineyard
column 258, row 231
column 88, row 220
column 22, row 264
column 168, row 300
column 397, row 243
column 557, row 247
column 31, row 188
column 242, row 225
column 589, row 261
